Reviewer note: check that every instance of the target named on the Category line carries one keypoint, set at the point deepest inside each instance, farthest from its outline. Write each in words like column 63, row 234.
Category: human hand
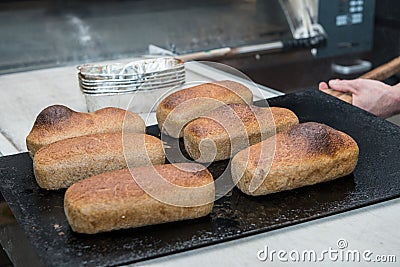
column 376, row 97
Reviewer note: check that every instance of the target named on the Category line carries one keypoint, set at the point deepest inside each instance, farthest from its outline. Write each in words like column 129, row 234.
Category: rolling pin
column 380, row 73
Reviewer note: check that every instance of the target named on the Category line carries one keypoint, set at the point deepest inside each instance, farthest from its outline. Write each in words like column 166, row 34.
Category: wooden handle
column 342, row 96
column 380, row 73
column 383, row 72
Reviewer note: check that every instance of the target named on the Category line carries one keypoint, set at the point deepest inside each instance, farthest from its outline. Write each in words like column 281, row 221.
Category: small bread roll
column 305, row 154
column 230, row 128
column 58, row 122
column 116, row 200
column 63, row 163
column 179, row 108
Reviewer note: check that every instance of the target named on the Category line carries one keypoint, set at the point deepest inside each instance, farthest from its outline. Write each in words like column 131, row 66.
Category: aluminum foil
column 115, row 84
column 132, row 70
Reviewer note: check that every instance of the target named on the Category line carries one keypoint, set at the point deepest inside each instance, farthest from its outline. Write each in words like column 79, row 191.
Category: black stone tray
column 376, row 178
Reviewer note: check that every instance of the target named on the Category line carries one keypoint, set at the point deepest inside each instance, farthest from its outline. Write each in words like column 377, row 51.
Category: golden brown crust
column 58, row 122
column 232, row 128
column 60, row 164
column 218, row 90
column 319, row 138
column 181, row 107
column 306, row 154
column 114, row 200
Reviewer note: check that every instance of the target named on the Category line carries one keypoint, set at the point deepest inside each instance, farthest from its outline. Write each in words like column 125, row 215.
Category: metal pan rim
column 163, row 76
column 116, row 92
column 178, row 64
column 143, row 84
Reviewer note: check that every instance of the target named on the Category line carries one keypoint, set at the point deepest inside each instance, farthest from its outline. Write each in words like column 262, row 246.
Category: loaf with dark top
column 60, row 164
column 179, row 108
column 59, row 122
column 305, row 154
column 116, row 200
column 230, row 128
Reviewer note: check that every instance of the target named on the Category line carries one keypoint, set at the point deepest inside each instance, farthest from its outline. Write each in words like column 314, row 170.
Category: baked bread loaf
column 305, row 154
column 60, row 164
column 114, row 200
column 179, row 108
column 58, row 122
column 230, row 128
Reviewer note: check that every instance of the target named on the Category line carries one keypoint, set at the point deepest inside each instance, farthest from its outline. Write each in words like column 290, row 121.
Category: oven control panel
column 348, row 24
column 350, row 12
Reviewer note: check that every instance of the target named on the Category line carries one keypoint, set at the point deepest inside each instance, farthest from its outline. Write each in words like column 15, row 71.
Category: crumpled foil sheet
column 132, row 70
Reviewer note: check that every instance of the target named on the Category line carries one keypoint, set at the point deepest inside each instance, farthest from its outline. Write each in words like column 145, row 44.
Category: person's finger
column 323, row 86
column 344, row 86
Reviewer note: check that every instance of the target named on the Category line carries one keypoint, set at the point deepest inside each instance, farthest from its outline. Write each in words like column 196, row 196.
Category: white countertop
column 374, row 228
column 23, row 95
column 371, row 228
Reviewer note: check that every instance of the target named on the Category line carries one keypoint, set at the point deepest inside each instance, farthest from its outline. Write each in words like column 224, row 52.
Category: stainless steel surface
column 302, row 16
column 259, row 48
column 359, row 67
column 221, row 52
column 42, row 34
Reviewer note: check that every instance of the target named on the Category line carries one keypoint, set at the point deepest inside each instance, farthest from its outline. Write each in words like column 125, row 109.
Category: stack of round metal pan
column 149, row 74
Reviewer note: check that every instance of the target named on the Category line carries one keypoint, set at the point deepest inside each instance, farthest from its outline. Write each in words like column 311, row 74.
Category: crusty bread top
column 302, row 142
column 58, row 122
column 105, row 143
column 121, row 184
column 179, row 108
column 235, row 116
column 221, row 90
column 284, row 118
column 317, row 139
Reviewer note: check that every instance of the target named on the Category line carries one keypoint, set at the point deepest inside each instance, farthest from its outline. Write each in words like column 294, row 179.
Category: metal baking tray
column 376, row 178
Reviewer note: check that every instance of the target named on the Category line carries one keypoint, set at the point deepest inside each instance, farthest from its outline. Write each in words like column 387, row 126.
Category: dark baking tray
column 376, row 178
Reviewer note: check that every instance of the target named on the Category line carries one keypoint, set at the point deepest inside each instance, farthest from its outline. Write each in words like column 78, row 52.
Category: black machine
column 348, row 24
